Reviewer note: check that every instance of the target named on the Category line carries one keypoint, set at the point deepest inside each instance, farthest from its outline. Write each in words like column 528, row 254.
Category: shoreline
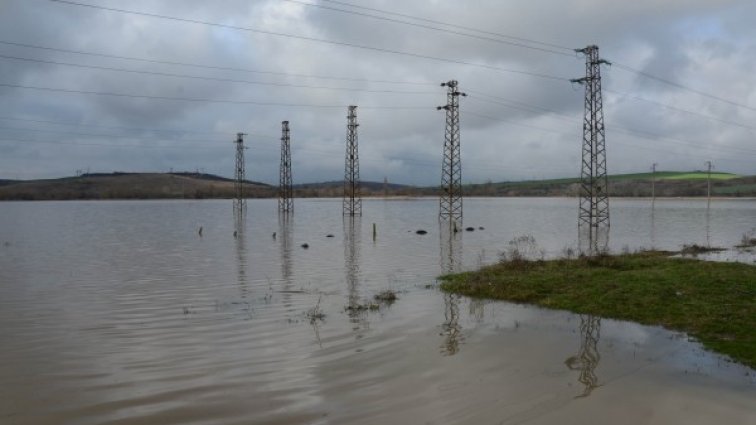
column 390, row 198
column 714, row 302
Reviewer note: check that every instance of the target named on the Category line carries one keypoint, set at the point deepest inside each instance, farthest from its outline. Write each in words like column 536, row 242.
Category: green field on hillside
column 699, row 175
column 660, row 175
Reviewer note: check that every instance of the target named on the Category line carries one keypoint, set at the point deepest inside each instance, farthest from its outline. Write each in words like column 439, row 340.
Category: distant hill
column 668, row 183
column 130, row 186
column 185, row 185
column 336, row 188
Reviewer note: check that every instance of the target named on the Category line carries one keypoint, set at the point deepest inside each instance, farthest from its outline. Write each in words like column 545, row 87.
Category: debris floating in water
column 388, row 296
column 236, row 233
column 274, row 235
column 199, row 232
column 421, row 232
column 305, row 245
column 329, row 235
column 470, row 229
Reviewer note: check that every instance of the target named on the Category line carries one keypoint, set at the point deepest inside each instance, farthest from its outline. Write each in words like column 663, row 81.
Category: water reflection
column 653, row 225
column 708, row 223
column 285, row 234
column 587, row 358
column 240, row 211
column 477, row 309
column 592, row 240
column 451, row 329
column 451, row 262
column 241, row 253
column 352, row 237
column 285, row 230
column 451, row 247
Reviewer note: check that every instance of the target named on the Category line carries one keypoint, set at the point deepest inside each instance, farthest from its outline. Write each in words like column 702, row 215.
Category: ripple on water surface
column 119, row 312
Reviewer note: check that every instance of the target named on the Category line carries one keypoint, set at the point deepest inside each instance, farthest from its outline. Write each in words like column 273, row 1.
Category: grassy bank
column 713, row 302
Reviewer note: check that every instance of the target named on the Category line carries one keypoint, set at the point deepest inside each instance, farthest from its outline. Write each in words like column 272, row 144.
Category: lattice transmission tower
column 352, row 204
column 450, row 203
column 240, row 202
column 594, row 196
column 285, row 192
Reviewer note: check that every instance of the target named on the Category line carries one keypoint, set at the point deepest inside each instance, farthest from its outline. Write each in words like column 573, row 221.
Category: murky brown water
column 119, row 313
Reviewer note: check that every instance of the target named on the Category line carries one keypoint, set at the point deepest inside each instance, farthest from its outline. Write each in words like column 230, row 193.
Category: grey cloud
column 705, row 44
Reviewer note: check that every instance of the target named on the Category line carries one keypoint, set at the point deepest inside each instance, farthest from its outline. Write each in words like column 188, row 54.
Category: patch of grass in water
column 695, row 249
column 712, row 301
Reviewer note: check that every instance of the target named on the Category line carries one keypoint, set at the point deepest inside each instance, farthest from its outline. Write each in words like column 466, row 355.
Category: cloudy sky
column 169, row 86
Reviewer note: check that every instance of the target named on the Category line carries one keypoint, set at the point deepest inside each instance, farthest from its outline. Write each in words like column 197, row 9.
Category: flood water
column 121, row 313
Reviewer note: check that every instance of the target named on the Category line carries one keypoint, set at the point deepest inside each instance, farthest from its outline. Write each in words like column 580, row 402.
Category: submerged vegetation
column 748, row 239
column 712, row 301
column 695, row 249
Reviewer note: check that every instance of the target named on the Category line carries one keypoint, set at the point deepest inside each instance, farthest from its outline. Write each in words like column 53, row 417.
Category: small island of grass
column 714, row 302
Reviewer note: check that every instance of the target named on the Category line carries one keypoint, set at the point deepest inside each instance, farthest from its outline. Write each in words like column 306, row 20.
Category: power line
column 656, row 137
column 681, row 86
column 314, row 39
column 511, row 37
column 191, row 99
column 119, row 136
column 398, row 21
column 675, row 108
column 196, row 77
column 125, row 128
column 494, row 165
column 204, row 66
column 637, row 133
column 510, row 122
column 481, row 97
column 309, row 151
column 109, row 145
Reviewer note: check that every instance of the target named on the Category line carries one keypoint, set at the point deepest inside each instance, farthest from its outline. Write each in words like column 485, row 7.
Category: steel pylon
column 352, row 202
column 593, row 216
column 240, row 202
column 285, row 191
column 450, row 202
